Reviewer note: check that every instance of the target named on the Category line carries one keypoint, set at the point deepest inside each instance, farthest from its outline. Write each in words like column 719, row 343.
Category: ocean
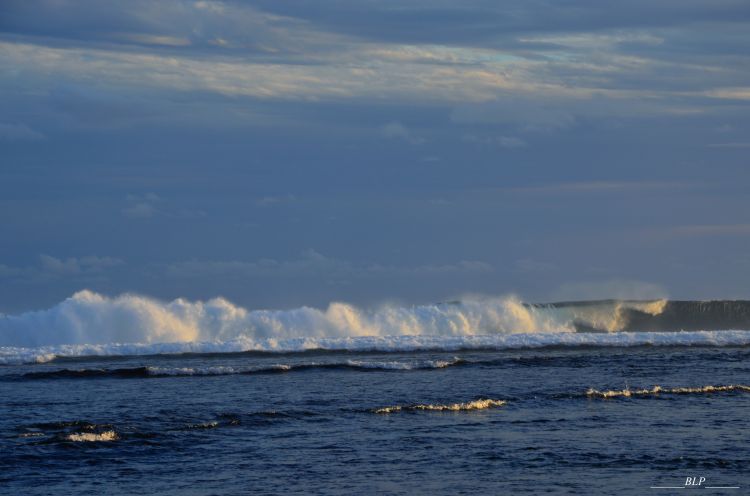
column 573, row 400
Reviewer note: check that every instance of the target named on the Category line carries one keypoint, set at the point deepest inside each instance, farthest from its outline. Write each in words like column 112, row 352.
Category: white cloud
column 740, row 93
column 335, row 68
column 51, row 267
column 396, row 130
column 501, row 141
column 149, row 39
column 151, row 205
column 314, row 264
column 211, row 6
column 58, row 266
column 596, row 187
column 72, row 265
column 18, row 132
column 139, row 210
column 267, row 201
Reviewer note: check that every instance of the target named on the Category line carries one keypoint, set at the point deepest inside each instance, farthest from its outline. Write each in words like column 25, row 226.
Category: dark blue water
column 153, row 425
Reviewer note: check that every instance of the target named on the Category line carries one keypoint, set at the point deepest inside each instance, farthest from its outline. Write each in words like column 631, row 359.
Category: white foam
column 363, row 364
column 480, row 404
column 401, row 365
column 89, row 437
column 205, row 425
column 181, row 371
column 19, row 355
column 91, row 318
column 31, row 434
column 217, row 370
column 656, row 390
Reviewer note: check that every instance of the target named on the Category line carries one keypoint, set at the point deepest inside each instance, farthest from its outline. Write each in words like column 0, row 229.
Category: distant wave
column 480, row 404
column 70, row 431
column 147, row 372
column 90, row 318
column 658, row 315
column 92, row 324
column 386, row 344
column 656, row 390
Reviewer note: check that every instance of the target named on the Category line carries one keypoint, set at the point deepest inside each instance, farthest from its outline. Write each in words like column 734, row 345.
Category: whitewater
column 91, row 324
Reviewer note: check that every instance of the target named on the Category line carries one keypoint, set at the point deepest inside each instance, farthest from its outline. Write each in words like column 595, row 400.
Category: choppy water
column 502, row 421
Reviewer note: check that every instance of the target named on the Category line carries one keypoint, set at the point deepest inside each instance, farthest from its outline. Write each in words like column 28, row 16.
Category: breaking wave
column 88, row 323
column 480, row 404
column 656, row 390
column 91, row 318
column 89, row 437
column 76, row 431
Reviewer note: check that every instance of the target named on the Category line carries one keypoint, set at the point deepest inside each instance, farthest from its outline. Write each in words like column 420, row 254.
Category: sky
column 296, row 153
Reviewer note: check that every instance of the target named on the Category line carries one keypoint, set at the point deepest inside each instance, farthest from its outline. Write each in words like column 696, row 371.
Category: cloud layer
column 295, row 153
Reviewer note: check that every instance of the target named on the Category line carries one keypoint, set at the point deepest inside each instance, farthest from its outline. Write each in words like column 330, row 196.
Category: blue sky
column 290, row 153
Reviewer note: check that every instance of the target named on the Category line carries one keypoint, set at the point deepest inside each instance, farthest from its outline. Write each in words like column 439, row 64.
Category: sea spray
column 91, row 318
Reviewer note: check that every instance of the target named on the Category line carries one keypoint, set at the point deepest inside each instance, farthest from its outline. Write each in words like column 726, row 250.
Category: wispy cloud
column 396, row 130
column 499, row 141
column 141, row 206
column 314, row 264
column 730, row 145
column 73, row 265
column 51, row 268
column 742, row 93
column 148, row 205
column 707, row 230
column 271, row 200
column 18, row 132
column 595, row 187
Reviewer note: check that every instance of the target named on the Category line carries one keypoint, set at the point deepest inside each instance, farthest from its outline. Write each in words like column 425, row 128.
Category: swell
column 156, row 372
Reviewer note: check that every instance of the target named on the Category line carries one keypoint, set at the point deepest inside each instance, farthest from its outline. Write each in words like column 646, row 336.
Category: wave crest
column 153, row 371
column 480, row 404
column 627, row 392
column 91, row 318
column 90, row 437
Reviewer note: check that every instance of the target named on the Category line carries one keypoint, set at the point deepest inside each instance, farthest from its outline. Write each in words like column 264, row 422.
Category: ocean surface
column 594, row 407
